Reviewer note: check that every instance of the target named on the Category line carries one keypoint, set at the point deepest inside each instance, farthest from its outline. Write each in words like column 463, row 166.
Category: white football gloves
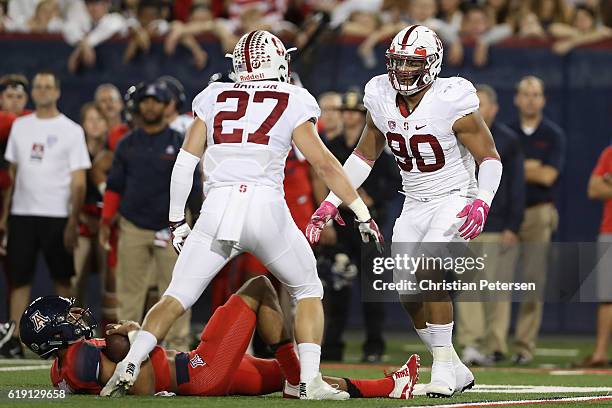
column 180, row 230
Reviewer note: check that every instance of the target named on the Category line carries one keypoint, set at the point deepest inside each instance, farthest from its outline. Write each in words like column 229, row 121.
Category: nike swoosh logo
column 419, row 127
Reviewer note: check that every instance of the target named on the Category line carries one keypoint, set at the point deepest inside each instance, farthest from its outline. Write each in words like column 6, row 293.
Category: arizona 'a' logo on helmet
column 39, row 320
column 260, row 55
column 52, row 322
column 414, row 59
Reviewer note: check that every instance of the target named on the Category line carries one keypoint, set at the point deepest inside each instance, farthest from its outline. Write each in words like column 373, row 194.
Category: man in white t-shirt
column 48, row 158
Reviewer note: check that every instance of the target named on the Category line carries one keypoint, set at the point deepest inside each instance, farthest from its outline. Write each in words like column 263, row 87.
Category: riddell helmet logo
column 251, row 77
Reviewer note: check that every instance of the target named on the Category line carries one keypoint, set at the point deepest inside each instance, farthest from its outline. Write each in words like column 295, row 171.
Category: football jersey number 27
column 260, row 136
column 403, row 158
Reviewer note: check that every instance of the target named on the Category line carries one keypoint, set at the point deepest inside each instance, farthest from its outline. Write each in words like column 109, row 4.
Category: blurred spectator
column 600, row 188
column 13, row 100
column 46, row 18
column 341, row 11
column 99, row 26
column 543, row 143
column 108, row 99
column 496, row 22
column 139, row 188
column 550, row 12
column 450, row 12
column 330, row 122
column 14, row 94
column 585, row 29
column 89, row 256
column 482, row 328
column 147, row 23
column 421, row 12
column 48, row 157
column 43, row 15
column 200, row 20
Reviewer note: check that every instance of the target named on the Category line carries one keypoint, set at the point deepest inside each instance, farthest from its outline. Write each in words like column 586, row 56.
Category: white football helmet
column 414, row 59
column 260, row 55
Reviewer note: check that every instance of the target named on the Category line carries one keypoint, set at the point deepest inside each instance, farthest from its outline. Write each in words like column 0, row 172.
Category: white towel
column 234, row 216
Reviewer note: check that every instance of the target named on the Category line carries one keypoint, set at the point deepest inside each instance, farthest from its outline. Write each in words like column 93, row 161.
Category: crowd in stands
column 84, row 24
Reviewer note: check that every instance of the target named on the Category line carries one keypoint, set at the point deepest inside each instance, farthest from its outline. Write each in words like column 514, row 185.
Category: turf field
column 549, row 377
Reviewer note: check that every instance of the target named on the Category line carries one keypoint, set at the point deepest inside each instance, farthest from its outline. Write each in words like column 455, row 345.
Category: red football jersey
column 297, row 178
column 80, row 368
column 78, row 373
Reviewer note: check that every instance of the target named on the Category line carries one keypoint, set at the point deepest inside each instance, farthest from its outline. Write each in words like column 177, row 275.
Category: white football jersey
column 249, row 129
column 432, row 161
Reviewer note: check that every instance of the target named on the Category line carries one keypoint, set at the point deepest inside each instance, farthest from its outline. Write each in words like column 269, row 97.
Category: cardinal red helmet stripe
column 407, row 35
column 247, row 51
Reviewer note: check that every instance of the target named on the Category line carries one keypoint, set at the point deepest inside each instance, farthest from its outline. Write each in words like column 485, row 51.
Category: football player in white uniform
column 433, row 128
column 244, row 131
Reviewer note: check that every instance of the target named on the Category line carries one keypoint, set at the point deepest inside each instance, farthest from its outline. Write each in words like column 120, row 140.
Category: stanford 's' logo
column 39, row 321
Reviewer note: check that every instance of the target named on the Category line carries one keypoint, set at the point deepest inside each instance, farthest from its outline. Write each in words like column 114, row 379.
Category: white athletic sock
column 143, row 344
column 441, row 334
column 425, row 336
column 310, row 358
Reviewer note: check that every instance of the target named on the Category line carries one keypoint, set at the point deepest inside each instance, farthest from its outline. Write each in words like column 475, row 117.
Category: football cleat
column 443, row 378
column 464, row 378
column 291, row 391
column 124, row 377
column 406, row 378
column 317, row 389
column 464, row 381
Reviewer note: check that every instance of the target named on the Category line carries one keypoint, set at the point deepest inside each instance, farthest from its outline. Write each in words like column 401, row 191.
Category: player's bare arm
column 323, row 162
column 372, row 141
column 331, row 172
column 474, row 134
column 195, row 138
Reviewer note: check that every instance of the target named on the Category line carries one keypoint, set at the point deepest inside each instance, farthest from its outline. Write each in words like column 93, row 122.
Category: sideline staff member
column 138, row 185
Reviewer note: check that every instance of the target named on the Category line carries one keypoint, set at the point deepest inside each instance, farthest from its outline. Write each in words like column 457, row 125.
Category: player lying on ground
column 52, row 326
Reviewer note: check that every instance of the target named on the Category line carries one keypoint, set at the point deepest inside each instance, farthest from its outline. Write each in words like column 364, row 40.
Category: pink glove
column 326, row 212
column 476, row 213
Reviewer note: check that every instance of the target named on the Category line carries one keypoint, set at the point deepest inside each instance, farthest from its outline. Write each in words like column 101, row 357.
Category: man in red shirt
column 600, row 188
column 13, row 100
column 52, row 326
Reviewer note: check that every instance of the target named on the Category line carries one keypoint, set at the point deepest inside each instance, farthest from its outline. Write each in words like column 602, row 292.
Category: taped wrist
column 489, row 176
column 357, row 168
column 181, row 183
column 360, row 209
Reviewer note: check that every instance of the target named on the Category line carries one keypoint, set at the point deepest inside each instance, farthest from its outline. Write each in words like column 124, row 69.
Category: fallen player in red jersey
column 52, row 326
